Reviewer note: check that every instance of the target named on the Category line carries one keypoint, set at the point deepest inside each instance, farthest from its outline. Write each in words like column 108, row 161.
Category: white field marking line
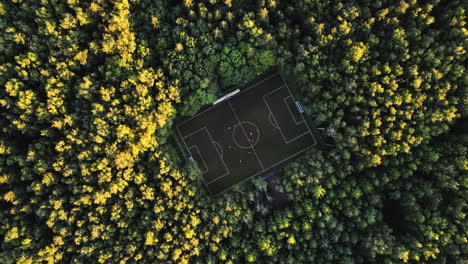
column 259, row 82
column 234, row 138
column 232, row 110
column 315, row 141
column 282, row 86
column 258, row 132
column 255, row 84
column 185, row 144
column 199, row 154
column 272, row 121
column 196, row 131
column 220, row 148
column 219, row 177
column 224, row 164
column 279, row 127
column 213, row 142
column 297, row 153
column 183, row 140
column 289, row 108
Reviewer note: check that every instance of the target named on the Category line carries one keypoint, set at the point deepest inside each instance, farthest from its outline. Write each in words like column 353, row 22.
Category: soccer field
column 247, row 134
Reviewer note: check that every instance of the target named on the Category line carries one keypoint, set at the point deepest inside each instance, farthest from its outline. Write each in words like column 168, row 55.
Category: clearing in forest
column 246, row 134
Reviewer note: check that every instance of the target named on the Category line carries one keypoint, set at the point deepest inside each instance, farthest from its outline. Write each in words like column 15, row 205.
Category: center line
column 246, row 136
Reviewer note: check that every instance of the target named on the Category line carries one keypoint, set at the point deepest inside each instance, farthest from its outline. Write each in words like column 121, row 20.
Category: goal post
column 226, row 96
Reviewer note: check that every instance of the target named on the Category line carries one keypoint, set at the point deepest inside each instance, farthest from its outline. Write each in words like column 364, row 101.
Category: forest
column 90, row 171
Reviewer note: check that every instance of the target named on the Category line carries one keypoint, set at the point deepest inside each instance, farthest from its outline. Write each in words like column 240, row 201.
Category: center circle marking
column 243, row 129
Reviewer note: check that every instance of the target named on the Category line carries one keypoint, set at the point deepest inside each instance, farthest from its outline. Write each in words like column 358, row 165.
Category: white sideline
column 246, row 179
column 226, row 98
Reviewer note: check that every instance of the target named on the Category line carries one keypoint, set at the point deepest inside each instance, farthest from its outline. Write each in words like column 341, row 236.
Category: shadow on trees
column 394, row 216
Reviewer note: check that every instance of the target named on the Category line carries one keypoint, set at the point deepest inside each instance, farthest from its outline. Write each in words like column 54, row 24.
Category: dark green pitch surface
column 246, row 135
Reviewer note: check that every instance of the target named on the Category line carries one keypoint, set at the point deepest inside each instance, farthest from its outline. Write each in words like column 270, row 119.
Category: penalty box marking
column 307, row 125
column 220, row 156
column 279, row 162
column 185, row 144
column 290, row 111
column 276, row 120
column 199, row 154
column 214, row 145
column 228, row 99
